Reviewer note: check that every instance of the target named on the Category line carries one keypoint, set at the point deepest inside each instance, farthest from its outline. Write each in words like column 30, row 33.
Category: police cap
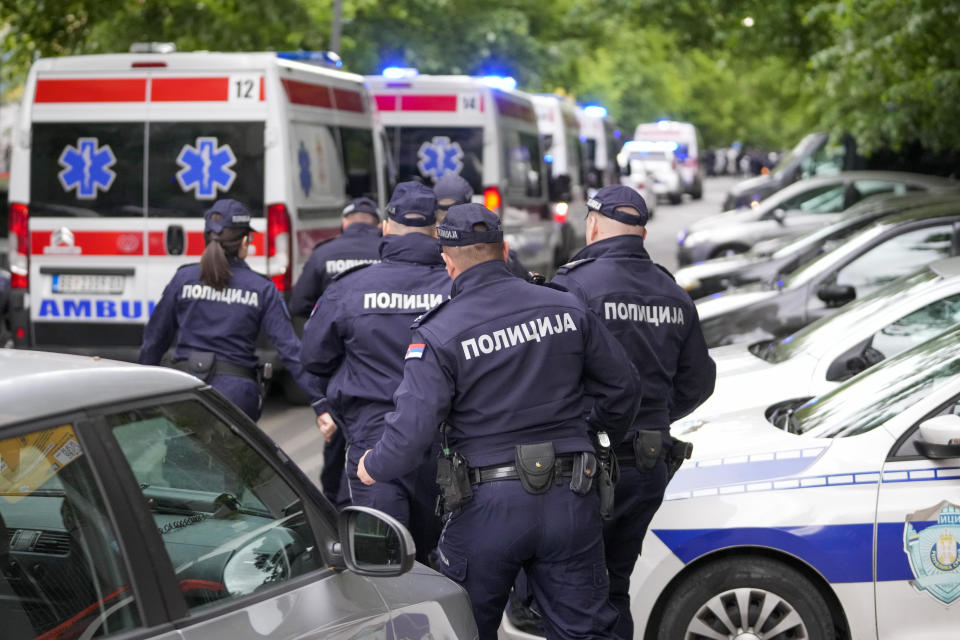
column 226, row 214
column 607, row 200
column 453, row 187
column 413, row 198
column 361, row 205
column 457, row 229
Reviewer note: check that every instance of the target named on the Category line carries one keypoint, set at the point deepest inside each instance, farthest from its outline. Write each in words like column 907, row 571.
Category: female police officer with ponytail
column 217, row 309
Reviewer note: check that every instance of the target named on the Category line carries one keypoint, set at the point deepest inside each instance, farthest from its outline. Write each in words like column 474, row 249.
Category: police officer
column 505, row 365
column 451, row 190
column 358, row 244
column 648, row 313
column 217, row 308
column 355, row 343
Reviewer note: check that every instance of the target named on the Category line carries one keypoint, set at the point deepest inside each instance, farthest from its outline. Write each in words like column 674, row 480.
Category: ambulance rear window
column 522, row 156
column 87, row 169
column 359, row 162
column 428, row 153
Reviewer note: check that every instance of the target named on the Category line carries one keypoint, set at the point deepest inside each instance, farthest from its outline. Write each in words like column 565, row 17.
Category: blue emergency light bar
column 326, row 58
column 595, row 111
column 397, row 73
column 500, row 82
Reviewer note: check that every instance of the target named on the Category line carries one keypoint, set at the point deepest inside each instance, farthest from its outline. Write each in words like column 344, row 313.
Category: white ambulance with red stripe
column 116, row 157
column 485, row 131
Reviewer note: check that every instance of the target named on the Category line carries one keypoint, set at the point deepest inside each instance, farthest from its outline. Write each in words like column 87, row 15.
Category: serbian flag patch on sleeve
column 414, row 351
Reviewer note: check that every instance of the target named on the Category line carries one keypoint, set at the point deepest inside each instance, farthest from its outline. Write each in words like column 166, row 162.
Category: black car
column 759, row 265
column 894, row 246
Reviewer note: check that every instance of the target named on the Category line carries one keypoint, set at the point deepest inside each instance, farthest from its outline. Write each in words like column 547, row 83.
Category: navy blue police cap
column 458, row 230
column 607, row 200
column 361, row 205
column 453, row 187
column 232, row 215
column 413, row 204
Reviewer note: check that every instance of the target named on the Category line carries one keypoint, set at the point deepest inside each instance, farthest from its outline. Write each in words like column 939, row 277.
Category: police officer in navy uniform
column 358, row 244
column 217, row 308
column 504, row 365
column 355, row 343
column 453, row 189
column 648, row 313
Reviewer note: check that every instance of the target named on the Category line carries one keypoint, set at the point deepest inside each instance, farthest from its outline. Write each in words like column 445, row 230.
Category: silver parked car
column 137, row 502
column 795, row 210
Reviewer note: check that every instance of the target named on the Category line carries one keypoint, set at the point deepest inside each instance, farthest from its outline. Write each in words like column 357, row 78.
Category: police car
column 482, row 129
column 839, row 518
column 117, row 156
column 902, row 314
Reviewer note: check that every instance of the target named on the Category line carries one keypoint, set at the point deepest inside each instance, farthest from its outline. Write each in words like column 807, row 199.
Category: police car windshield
column 833, row 328
column 884, row 391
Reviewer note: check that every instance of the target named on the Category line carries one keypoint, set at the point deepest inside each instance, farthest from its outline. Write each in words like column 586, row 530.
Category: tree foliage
column 887, row 71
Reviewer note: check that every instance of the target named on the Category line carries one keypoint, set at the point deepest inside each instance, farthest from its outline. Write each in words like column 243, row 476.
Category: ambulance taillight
column 279, row 247
column 491, row 199
column 19, row 246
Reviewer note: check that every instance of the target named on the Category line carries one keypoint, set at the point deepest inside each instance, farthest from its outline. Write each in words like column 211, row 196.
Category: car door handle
column 176, row 240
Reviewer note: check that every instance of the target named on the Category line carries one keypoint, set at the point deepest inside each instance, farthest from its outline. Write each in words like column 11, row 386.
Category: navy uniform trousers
column 243, row 392
column 554, row 537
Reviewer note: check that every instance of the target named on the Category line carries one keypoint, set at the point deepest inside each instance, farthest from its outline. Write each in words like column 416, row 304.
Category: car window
column 61, row 574
column 429, row 153
column 868, row 188
column 522, row 160
column 822, row 199
column 907, row 449
column 896, row 256
column 917, row 327
column 230, row 524
column 359, row 162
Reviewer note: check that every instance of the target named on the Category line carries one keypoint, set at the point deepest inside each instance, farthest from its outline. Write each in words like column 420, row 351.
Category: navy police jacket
column 356, row 339
column 653, row 318
column 226, row 322
column 358, row 244
column 505, row 362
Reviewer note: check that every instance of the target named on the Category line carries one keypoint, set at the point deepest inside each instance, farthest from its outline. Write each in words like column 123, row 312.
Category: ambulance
column 601, row 140
column 116, row 157
column 482, row 129
column 563, row 155
column 685, row 143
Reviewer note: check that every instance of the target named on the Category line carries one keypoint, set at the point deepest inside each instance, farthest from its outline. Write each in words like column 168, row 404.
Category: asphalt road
column 294, row 427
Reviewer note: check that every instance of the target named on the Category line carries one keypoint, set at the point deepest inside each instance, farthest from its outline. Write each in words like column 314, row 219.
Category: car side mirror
column 779, row 215
column 939, row 438
column 836, row 295
column 374, row 543
column 857, row 358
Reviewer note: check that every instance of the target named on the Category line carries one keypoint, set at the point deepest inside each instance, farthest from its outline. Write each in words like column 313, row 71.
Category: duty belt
column 225, row 368
column 479, row 475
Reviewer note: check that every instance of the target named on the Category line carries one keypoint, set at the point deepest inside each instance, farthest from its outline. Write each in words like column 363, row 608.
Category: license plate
column 72, row 283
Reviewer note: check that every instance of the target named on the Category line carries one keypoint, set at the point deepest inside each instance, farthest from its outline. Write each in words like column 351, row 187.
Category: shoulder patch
column 665, row 270
column 570, row 266
column 427, row 315
column 355, row 267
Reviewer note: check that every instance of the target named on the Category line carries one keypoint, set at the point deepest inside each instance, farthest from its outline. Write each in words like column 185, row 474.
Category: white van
column 651, row 168
column 601, row 140
column 563, row 154
column 483, row 130
column 116, row 157
column 686, row 144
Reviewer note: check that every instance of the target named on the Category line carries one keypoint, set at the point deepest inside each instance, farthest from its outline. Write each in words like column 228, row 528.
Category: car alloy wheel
column 747, row 614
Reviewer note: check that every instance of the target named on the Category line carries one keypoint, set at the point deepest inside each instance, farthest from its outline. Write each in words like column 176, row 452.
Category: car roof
column 34, row 384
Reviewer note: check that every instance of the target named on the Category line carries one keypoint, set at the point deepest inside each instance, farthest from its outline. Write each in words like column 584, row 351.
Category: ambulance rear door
column 205, row 141
column 86, row 170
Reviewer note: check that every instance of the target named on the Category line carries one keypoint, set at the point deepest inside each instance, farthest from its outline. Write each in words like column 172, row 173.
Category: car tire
column 778, row 602
column 697, row 192
column 675, row 198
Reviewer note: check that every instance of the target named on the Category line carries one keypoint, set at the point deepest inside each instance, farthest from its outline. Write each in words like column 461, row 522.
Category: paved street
column 294, row 427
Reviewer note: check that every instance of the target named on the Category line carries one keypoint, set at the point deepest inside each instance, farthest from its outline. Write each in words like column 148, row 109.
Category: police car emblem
column 86, row 168
column 206, row 168
column 931, row 540
column 439, row 156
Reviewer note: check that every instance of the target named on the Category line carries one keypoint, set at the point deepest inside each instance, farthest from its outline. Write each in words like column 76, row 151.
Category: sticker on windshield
column 29, row 461
column 439, row 157
column 206, row 168
column 931, row 540
column 86, row 168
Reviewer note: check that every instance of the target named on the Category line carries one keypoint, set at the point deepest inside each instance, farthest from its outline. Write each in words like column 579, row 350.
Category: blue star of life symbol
column 206, row 168
column 303, row 159
column 439, row 156
column 86, row 168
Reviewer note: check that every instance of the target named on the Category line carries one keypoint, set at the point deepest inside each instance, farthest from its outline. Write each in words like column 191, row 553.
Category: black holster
column 535, row 466
column 199, row 364
column 607, row 477
column 585, row 469
column 647, row 449
column 453, row 478
column 679, row 452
